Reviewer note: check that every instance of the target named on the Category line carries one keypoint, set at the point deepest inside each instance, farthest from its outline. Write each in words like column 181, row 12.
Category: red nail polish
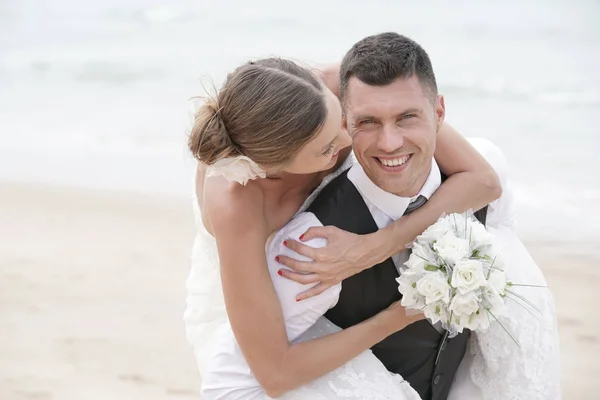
column 297, row 300
column 285, row 243
column 301, row 236
column 277, row 258
column 280, row 273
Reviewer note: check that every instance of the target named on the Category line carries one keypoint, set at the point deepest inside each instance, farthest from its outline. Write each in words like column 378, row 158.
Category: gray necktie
column 415, row 204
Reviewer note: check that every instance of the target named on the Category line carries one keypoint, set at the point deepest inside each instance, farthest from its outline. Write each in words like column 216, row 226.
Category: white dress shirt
column 299, row 316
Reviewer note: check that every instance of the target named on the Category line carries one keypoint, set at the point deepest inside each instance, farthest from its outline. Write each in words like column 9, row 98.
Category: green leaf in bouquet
column 523, row 299
column 523, row 307
column 491, row 267
column 523, row 285
column 431, row 267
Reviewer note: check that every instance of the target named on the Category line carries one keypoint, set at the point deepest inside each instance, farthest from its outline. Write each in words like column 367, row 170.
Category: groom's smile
column 394, row 164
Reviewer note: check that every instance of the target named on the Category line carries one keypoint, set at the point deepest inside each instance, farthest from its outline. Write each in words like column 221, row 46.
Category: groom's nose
column 390, row 138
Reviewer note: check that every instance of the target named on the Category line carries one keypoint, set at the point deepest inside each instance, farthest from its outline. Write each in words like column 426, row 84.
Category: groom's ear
column 345, row 123
column 440, row 111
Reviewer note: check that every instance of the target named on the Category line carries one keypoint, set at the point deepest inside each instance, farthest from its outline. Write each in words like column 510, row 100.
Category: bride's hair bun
column 209, row 140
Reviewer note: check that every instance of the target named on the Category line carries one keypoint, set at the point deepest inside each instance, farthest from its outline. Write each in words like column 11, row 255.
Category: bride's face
column 321, row 153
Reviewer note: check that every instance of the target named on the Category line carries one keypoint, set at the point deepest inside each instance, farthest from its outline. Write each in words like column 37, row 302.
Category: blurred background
column 95, row 180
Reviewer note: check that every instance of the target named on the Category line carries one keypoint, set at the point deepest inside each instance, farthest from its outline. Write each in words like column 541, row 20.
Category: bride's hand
column 345, row 255
column 397, row 316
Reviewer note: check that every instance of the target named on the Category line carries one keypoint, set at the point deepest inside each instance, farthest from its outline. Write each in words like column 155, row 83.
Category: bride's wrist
column 377, row 248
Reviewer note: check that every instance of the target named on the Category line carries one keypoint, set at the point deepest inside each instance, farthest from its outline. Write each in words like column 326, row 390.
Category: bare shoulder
column 232, row 207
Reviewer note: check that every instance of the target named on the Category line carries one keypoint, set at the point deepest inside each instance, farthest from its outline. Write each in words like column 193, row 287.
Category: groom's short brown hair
column 379, row 60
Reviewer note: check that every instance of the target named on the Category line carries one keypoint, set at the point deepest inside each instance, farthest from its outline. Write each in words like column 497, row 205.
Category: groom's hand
column 340, row 259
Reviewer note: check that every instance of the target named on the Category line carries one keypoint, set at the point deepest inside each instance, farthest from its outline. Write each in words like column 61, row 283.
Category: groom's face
column 394, row 129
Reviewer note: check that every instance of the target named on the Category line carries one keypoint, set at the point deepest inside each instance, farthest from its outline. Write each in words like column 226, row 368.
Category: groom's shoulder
column 333, row 194
column 491, row 152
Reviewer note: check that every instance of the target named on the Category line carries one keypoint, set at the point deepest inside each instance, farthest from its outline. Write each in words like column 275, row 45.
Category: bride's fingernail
column 285, row 243
column 301, row 236
column 280, row 273
column 277, row 258
column 298, row 300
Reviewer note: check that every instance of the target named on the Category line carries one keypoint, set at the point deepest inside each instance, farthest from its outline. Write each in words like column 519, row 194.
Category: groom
column 393, row 112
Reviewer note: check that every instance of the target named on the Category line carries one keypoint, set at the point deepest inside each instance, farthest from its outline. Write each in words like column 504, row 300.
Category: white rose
column 436, row 312
column 456, row 325
column 494, row 302
column 479, row 236
column 434, row 286
column 415, row 264
column 478, row 321
column 435, row 231
column 452, row 248
column 497, row 281
column 468, row 276
column 464, row 304
column 411, row 298
column 238, row 169
column 421, row 250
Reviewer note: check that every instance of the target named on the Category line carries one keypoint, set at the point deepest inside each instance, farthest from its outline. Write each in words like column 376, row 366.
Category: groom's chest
column 382, row 220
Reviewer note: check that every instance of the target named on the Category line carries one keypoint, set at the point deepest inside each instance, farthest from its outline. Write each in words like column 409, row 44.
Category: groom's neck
column 413, row 188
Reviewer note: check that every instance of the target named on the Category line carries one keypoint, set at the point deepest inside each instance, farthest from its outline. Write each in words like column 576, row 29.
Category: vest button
column 436, row 380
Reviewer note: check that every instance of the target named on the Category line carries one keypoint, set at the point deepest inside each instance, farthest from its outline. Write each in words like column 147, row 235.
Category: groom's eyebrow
column 362, row 116
column 411, row 111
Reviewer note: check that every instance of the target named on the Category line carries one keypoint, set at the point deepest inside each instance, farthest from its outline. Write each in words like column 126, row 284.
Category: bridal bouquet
column 455, row 277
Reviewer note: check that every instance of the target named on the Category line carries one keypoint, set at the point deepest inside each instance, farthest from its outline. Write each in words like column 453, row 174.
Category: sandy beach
column 92, row 295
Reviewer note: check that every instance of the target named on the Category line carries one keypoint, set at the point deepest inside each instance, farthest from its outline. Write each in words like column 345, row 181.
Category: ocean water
column 95, row 94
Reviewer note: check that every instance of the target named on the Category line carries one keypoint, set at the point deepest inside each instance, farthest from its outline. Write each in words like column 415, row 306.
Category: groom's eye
column 407, row 116
column 367, row 121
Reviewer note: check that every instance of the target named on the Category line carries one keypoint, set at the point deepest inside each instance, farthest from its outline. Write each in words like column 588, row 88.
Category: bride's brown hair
column 267, row 110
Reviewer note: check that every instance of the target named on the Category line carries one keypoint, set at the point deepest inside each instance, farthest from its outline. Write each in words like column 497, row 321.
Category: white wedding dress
column 493, row 368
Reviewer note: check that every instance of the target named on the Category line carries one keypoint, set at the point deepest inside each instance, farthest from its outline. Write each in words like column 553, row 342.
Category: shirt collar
column 390, row 204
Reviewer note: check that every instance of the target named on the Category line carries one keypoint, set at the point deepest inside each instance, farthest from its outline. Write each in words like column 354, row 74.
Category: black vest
column 427, row 359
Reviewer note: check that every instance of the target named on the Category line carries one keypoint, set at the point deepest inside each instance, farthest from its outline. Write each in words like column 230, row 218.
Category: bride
column 278, row 124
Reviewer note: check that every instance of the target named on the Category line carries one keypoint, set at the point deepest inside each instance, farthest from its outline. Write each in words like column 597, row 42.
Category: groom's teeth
column 394, row 162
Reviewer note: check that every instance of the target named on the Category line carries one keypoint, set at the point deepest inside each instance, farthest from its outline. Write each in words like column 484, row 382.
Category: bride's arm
column 472, row 184
column 255, row 314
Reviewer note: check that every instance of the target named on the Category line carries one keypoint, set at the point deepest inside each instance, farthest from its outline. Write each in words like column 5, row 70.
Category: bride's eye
column 329, row 150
